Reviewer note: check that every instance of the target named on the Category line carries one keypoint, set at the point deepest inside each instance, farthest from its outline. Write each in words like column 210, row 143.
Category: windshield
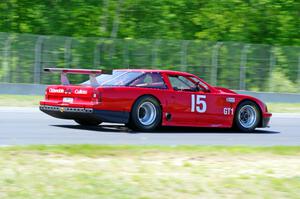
column 118, row 78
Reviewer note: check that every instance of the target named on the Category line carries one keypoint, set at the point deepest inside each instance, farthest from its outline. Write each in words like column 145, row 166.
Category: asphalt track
column 22, row 126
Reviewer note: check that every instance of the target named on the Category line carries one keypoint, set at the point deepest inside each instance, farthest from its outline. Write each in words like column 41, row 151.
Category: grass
column 20, row 100
column 284, row 107
column 89, row 171
column 33, row 101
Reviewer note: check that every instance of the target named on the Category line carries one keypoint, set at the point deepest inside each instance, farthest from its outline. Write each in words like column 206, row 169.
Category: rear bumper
column 85, row 113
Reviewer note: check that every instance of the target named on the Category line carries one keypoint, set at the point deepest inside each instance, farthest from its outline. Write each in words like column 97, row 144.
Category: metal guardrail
column 22, row 89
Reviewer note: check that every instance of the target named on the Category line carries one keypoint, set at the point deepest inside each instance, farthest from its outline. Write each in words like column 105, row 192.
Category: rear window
column 117, row 78
column 122, row 80
column 149, row 80
column 105, row 77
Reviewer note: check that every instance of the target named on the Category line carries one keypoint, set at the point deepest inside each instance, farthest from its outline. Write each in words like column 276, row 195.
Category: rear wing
column 64, row 71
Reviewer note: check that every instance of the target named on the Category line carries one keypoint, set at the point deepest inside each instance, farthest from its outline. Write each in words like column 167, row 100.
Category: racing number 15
column 198, row 104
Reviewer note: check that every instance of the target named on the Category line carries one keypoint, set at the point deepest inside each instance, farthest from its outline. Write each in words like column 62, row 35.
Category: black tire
column 84, row 122
column 247, row 116
column 144, row 106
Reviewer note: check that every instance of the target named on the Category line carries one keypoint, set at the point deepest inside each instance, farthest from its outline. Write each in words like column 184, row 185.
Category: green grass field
column 284, row 107
column 33, row 101
column 20, row 100
column 88, row 171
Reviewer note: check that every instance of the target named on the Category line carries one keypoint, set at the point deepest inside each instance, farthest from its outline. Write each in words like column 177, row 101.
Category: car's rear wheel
column 146, row 114
column 84, row 122
column 247, row 116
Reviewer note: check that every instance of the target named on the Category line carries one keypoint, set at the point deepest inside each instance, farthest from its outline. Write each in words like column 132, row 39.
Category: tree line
column 274, row 22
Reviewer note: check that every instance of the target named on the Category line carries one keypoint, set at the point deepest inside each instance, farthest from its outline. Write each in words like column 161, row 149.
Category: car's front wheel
column 146, row 114
column 247, row 116
column 84, row 122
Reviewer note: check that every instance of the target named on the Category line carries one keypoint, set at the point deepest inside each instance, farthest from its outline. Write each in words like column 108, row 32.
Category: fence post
column 5, row 63
column 126, row 54
column 243, row 67
column 68, row 53
column 272, row 66
column 183, row 63
column 155, row 53
column 214, row 63
column 298, row 76
column 38, row 60
column 97, row 53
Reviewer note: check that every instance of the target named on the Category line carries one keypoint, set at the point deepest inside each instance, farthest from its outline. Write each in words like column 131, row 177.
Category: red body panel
column 186, row 107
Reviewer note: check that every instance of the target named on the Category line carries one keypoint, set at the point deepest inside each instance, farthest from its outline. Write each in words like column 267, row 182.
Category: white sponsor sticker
column 68, row 99
column 80, row 91
column 56, row 90
column 230, row 99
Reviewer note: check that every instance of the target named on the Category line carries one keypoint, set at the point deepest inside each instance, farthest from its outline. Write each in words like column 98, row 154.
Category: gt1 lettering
column 228, row 111
column 198, row 104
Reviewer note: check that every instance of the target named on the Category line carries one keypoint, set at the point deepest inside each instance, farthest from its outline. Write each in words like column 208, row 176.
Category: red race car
column 146, row 99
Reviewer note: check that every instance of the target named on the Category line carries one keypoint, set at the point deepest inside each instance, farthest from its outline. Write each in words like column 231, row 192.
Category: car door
column 218, row 111
column 191, row 104
column 209, row 108
column 179, row 102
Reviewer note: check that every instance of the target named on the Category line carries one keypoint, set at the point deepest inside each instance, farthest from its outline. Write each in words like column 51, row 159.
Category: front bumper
column 266, row 120
column 74, row 113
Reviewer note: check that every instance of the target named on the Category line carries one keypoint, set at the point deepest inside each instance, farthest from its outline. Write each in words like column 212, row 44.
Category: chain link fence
column 234, row 65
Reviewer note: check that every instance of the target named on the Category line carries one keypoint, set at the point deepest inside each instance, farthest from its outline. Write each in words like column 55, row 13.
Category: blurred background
column 246, row 45
column 240, row 44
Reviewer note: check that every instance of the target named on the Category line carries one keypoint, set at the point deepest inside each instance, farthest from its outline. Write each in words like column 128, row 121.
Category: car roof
column 156, row 70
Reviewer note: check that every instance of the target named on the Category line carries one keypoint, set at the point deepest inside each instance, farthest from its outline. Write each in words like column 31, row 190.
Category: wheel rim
column 247, row 116
column 146, row 113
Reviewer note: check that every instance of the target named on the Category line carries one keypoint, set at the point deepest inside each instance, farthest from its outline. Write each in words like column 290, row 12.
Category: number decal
column 228, row 111
column 198, row 104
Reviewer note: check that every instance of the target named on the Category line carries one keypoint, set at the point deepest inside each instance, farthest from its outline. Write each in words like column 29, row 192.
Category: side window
column 182, row 83
column 149, row 80
column 202, row 86
column 186, row 81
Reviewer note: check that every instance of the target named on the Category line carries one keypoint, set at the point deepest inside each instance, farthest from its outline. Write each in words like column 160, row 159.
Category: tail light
column 46, row 94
